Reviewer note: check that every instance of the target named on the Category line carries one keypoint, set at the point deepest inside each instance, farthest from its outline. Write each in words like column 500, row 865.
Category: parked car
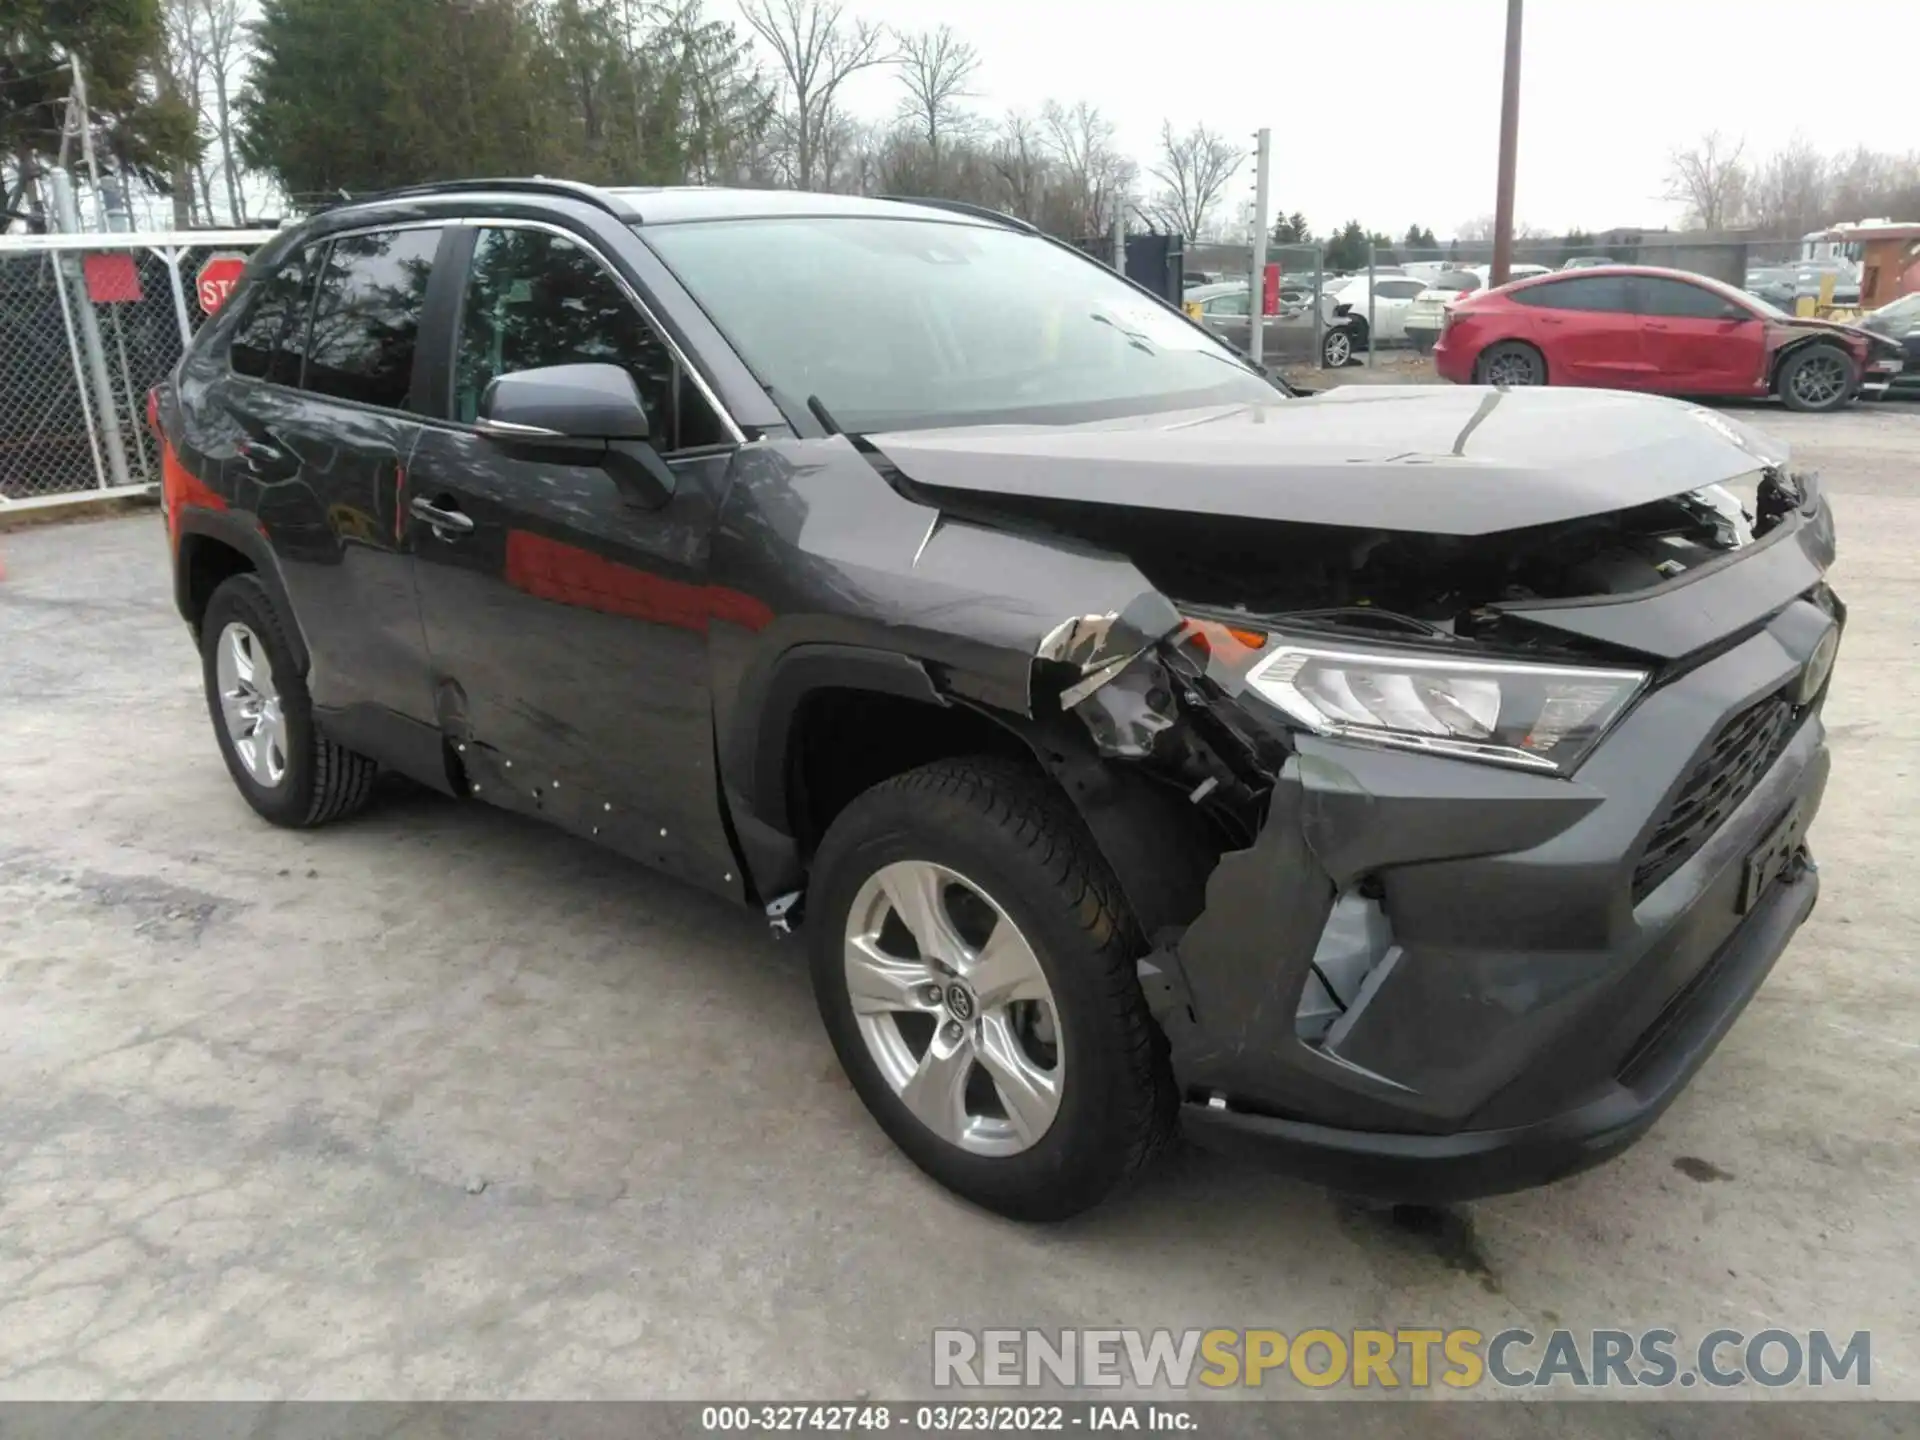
column 1641, row 328
column 1131, row 742
column 1774, row 284
column 1427, row 316
column 1584, row 262
column 1900, row 320
column 1392, row 297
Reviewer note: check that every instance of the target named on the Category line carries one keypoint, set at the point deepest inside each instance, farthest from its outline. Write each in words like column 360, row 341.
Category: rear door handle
column 1658, row 325
column 447, row 519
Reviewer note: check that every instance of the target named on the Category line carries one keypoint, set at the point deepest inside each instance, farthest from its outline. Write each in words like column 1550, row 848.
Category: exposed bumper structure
column 1547, row 991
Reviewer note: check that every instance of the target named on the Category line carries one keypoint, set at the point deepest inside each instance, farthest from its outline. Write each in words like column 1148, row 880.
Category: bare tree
column 1021, row 162
column 936, row 66
column 1789, row 194
column 817, row 48
column 227, row 43
column 1094, row 176
column 1709, row 179
column 1194, row 170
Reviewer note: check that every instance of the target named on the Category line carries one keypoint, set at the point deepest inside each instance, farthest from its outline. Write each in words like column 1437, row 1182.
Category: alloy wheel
column 250, row 705
column 1339, row 349
column 954, row 1008
column 1511, row 368
column 1819, row 380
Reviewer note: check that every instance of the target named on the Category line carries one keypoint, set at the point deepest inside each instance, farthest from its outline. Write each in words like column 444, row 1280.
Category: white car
column 1392, row 298
column 1427, row 316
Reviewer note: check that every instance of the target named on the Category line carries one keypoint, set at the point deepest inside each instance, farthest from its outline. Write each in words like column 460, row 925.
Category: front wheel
column 974, row 966
column 1336, row 349
column 1817, row 378
column 1511, row 362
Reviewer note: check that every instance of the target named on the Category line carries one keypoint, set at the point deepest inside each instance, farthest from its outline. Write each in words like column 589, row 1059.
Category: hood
column 1439, row 460
column 1809, row 325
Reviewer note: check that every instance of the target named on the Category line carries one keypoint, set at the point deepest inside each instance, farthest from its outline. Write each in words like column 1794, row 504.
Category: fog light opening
column 1355, row 954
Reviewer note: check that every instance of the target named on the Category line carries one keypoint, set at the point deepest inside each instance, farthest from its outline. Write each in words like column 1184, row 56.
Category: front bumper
column 1538, row 1014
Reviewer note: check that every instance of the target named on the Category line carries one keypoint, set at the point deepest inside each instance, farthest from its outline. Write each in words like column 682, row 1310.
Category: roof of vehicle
column 1215, row 290
column 1600, row 272
column 667, row 205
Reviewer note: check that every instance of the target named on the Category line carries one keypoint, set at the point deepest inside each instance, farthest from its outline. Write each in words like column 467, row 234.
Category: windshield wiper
column 1133, row 337
column 824, row 416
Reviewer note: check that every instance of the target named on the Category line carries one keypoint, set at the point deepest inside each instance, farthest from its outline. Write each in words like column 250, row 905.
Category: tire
column 1816, row 378
column 1508, row 363
column 1001, row 830
column 297, row 778
column 1421, row 340
column 1336, row 349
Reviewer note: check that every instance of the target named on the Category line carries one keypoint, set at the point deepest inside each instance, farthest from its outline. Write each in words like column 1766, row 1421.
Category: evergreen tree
column 361, row 95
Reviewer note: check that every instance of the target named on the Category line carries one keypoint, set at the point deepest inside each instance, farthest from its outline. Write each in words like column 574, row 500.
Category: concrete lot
column 440, row 1103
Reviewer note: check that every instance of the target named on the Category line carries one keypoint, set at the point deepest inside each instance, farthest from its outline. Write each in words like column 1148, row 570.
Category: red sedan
column 1634, row 327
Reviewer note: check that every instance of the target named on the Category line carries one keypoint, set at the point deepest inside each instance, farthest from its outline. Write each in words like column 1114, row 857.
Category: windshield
column 1897, row 312
column 908, row 324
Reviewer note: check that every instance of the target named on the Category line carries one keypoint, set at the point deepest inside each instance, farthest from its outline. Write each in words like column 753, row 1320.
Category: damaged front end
column 1430, row 769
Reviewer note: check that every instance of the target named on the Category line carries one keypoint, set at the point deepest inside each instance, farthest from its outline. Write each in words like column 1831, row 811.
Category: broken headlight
column 1537, row 717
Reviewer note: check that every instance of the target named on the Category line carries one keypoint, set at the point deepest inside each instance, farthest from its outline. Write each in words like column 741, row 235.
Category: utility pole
column 1257, row 282
column 67, row 214
column 1509, row 152
column 85, row 117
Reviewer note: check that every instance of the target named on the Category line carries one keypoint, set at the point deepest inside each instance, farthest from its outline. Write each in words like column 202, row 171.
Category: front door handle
column 446, row 519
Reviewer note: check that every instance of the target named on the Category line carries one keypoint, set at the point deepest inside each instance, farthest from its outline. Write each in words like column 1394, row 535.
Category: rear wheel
column 973, row 964
column 1820, row 377
column 1509, row 363
column 263, row 718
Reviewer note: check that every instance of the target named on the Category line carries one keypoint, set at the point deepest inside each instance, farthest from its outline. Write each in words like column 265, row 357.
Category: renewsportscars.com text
column 1411, row 1358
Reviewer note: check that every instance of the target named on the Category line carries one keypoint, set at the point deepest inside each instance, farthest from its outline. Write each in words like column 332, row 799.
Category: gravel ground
column 440, row 1103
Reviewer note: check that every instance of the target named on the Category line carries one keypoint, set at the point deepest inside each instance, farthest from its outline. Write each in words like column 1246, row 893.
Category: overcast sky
column 1388, row 111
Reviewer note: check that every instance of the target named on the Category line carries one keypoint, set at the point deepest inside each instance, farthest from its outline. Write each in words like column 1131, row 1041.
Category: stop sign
column 216, row 279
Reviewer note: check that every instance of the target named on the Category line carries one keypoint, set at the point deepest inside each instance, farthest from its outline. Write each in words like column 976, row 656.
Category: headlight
column 1538, row 717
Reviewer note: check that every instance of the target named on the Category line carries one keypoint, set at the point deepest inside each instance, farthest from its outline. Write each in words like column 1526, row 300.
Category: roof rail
column 964, row 207
column 535, row 185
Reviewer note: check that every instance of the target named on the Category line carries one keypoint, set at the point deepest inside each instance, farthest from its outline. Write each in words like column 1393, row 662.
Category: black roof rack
column 963, row 207
column 534, row 185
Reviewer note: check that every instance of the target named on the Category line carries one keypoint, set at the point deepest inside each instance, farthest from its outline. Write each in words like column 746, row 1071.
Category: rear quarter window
column 270, row 334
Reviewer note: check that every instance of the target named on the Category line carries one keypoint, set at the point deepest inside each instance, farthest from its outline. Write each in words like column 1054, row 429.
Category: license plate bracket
column 1770, row 859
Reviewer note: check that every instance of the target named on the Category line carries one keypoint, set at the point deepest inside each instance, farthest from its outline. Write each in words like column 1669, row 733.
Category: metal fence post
column 1257, row 300
column 1370, row 331
column 111, row 441
column 171, row 259
column 1319, row 305
column 60, row 277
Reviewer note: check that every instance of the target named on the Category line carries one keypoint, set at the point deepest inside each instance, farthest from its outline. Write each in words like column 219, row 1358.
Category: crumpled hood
column 1440, row 460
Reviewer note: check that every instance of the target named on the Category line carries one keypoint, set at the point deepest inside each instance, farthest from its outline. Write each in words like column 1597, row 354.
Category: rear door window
column 271, row 335
column 1606, row 294
column 366, row 317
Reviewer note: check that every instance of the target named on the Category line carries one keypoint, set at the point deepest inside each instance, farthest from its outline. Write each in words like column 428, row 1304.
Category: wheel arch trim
column 232, row 530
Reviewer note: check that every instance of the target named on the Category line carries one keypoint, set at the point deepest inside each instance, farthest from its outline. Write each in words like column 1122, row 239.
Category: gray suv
column 1409, row 784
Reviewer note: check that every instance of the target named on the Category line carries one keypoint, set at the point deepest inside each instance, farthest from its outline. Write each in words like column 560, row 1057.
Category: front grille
column 1742, row 752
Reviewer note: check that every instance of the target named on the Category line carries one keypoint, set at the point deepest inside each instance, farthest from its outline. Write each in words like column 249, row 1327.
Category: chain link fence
column 88, row 325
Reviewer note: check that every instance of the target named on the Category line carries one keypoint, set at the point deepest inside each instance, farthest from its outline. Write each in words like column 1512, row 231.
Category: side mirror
column 1735, row 312
column 578, row 415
